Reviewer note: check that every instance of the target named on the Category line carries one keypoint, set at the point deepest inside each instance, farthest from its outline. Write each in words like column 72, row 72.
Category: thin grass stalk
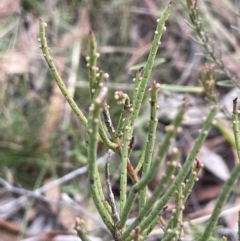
column 171, row 133
column 151, row 139
column 228, row 184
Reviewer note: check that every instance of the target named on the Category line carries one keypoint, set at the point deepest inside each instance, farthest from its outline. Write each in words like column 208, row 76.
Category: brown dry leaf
column 53, row 194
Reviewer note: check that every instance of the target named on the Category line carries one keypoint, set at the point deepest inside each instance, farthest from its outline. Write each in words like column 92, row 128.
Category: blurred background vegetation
column 38, row 131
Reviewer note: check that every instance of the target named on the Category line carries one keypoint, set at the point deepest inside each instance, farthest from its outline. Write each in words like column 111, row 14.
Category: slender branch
column 222, row 198
column 93, row 175
column 181, row 175
column 150, row 61
column 236, row 127
column 151, row 139
column 92, row 64
column 149, row 175
column 124, row 156
column 45, row 50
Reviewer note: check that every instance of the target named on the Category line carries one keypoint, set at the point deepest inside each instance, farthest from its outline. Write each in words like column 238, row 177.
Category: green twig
column 137, row 82
column 181, row 175
column 171, row 133
column 141, row 160
column 93, row 175
column 92, row 64
column 124, row 161
column 167, row 177
column 228, row 184
column 236, row 127
column 151, row 138
column 192, row 179
column 64, row 90
column 45, row 50
column 148, row 69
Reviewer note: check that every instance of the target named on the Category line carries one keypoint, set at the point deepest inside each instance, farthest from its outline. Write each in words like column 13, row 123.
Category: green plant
column 121, row 139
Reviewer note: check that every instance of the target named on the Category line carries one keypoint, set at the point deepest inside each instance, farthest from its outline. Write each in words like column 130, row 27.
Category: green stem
column 171, row 133
column 124, row 156
column 236, row 127
column 63, row 88
column 191, row 180
column 186, row 191
column 93, row 174
column 137, row 82
column 92, row 64
column 56, row 75
column 228, row 184
column 151, row 139
column 181, row 175
column 141, row 160
column 220, row 202
column 150, row 62
column 167, row 177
